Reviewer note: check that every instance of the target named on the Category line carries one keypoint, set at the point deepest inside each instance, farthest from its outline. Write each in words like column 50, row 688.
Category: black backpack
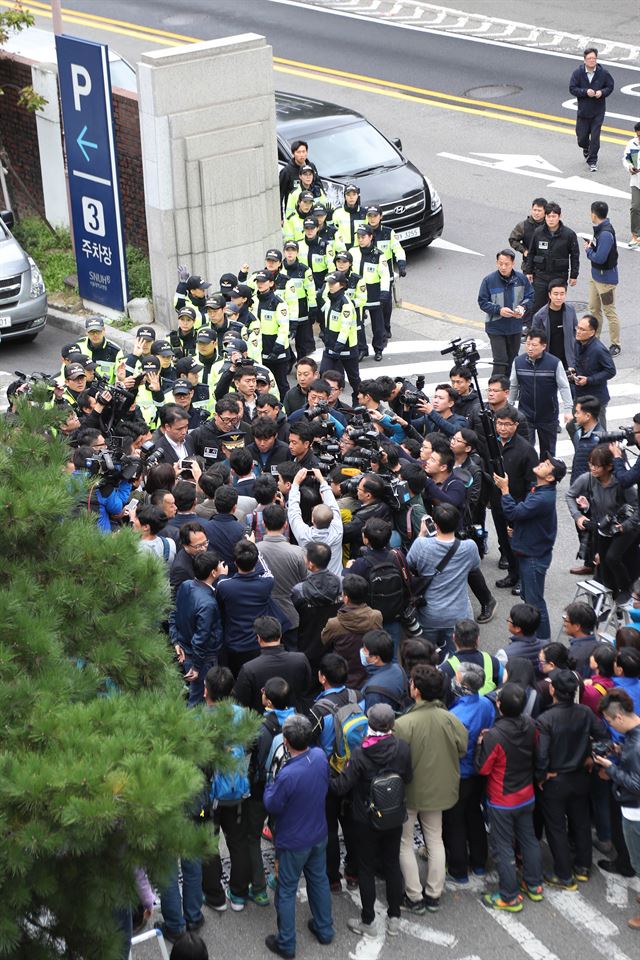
column 386, row 588
column 386, row 805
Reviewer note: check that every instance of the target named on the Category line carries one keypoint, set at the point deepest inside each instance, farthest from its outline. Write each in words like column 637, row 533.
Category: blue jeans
column 394, row 630
column 178, row 912
column 443, row 639
column 313, row 863
column 631, row 831
column 533, row 571
column 196, row 687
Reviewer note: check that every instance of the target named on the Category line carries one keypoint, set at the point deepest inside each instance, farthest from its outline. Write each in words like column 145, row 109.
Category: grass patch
column 139, row 273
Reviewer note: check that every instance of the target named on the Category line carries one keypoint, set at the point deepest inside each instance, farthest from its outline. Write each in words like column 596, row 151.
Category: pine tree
column 100, row 761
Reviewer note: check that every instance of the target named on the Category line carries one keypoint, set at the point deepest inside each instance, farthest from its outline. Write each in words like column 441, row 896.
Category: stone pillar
column 49, row 126
column 207, row 120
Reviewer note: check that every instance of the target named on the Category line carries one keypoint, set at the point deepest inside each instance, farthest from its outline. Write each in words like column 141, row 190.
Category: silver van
column 23, row 298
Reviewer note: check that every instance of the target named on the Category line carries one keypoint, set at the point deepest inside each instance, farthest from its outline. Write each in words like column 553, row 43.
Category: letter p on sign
column 81, row 83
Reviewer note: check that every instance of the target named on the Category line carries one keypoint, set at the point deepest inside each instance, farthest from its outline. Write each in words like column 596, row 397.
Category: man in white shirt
column 326, row 522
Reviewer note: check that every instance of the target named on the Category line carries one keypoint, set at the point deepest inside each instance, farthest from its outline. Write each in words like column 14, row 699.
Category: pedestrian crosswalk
column 411, row 358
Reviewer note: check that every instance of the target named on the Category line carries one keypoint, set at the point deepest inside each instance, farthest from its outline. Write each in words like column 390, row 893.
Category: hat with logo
column 232, row 441
column 319, row 210
column 187, row 365
column 242, row 290
column 87, row 363
column 306, row 195
column 291, row 245
column 71, row 351
column 262, row 376
column 273, row 254
column 309, row 222
column 206, row 335
column 215, row 302
column 94, row 323
column 74, row 370
column 232, row 310
column 336, row 277
column 196, row 282
column 559, row 468
column 182, row 386
column 187, row 312
column 306, row 168
column 374, row 210
column 161, row 348
column 263, row 275
column 235, row 343
column 146, row 333
column 344, row 255
column 228, row 282
column 364, row 230
column 150, row 365
column 352, row 188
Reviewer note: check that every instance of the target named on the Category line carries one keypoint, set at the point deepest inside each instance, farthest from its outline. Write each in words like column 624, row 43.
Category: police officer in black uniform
column 191, row 291
column 554, row 254
column 183, row 340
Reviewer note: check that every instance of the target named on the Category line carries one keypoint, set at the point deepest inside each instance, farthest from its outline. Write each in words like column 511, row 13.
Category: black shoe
column 516, row 591
column 487, row 612
column 363, row 354
column 271, row 943
column 431, row 903
column 503, row 563
column 167, row 933
column 389, row 335
column 311, row 927
column 198, row 925
column 508, row 581
column 611, row 866
column 378, row 356
column 615, row 350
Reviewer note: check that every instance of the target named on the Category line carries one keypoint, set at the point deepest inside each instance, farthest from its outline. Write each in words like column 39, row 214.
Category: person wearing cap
column 242, row 297
column 273, row 314
column 380, row 752
column 315, row 252
column 183, row 340
column 207, row 354
column 371, row 264
column 535, row 526
column 327, row 229
column 189, row 369
column 145, row 338
column 163, row 350
column 301, row 277
column 227, row 282
column 356, row 291
column 385, row 239
column 341, row 333
column 191, row 292
column 223, row 317
column 290, row 174
column 105, row 353
column 292, row 228
column 182, row 395
column 70, row 353
column 150, row 394
column 309, row 182
column 348, row 218
column 282, row 284
column 75, row 381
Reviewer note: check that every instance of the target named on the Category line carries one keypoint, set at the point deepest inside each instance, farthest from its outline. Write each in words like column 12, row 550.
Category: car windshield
column 350, row 150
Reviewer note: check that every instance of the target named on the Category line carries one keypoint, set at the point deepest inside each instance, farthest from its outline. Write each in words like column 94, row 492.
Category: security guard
column 183, row 340
column 314, row 252
column 75, row 381
column 309, row 182
column 105, row 354
column 183, row 394
column 348, row 218
column 189, row 369
column 283, row 285
column 191, row 292
column 300, row 275
column 340, row 334
column 163, row 351
column 145, row 337
column 356, row 291
column 207, row 354
column 292, row 228
column 273, row 315
column 371, row 264
column 150, row 395
column 327, row 229
column 386, row 239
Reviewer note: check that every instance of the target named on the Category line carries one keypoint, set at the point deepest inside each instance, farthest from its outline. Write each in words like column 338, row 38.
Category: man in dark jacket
column 273, row 661
column 559, row 321
column 520, row 236
column 594, row 365
column 266, row 450
column 504, row 755
column 223, row 530
column 468, row 402
column 380, row 752
column 316, row 599
column 536, row 378
column 196, row 626
column 580, row 622
column 386, row 681
column 590, row 84
column 535, row 527
column 524, row 624
column 208, row 440
column 192, row 540
column 554, row 254
column 504, row 297
column 371, row 504
column 565, row 734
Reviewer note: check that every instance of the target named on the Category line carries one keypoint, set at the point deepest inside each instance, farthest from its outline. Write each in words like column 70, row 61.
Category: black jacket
column 278, row 454
column 170, row 456
column 207, row 443
column 565, row 732
column 352, row 532
column 316, row 599
column 519, row 459
column 294, row 399
column 466, row 406
column 581, row 648
column 388, row 754
column 579, row 84
column 553, row 255
column 626, row 776
column 274, row 662
column 505, row 757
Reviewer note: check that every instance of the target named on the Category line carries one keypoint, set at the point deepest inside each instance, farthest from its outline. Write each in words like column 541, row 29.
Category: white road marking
column 447, row 245
column 525, row 939
column 573, row 105
column 589, row 921
column 616, row 894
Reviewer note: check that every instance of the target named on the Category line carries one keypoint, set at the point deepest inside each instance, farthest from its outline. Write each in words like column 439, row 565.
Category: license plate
column 5, row 322
column 408, row 234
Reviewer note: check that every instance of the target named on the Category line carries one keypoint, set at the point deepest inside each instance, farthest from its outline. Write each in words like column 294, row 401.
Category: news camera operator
column 625, row 475
column 371, row 494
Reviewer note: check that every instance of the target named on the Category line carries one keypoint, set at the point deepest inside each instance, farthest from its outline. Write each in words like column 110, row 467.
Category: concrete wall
column 207, row 119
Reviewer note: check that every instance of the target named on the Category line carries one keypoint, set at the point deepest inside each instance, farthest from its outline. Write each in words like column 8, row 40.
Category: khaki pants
column 602, row 297
column 431, row 823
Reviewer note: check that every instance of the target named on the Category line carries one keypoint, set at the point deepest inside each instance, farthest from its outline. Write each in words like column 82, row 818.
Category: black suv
column 345, row 147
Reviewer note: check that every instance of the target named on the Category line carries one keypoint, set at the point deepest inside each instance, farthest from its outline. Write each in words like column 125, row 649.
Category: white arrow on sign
column 514, row 163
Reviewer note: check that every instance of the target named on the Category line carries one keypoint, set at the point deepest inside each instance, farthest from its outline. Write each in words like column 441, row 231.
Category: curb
column 75, row 325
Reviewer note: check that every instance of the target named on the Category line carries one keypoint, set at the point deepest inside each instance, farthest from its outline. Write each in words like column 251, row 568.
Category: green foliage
column 138, row 273
column 100, row 761
column 15, row 20
column 52, row 251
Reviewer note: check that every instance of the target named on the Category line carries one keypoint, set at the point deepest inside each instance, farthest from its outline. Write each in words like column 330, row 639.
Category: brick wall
column 19, row 138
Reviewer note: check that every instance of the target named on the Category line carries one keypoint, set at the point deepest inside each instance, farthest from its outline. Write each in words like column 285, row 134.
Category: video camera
column 28, row 381
column 464, row 352
column 113, row 465
column 623, row 434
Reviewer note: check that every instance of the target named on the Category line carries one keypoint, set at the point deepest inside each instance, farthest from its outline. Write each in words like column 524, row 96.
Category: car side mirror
column 397, row 142
column 8, row 218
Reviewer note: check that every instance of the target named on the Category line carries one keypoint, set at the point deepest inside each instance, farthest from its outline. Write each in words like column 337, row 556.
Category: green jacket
column 437, row 740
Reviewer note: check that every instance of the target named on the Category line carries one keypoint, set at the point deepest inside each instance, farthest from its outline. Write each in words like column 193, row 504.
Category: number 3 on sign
column 93, row 216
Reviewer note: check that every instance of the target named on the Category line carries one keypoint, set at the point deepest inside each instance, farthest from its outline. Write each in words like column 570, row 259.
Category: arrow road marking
column 82, row 143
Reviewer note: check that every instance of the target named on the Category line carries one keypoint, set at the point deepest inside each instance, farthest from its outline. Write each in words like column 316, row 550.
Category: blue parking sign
column 85, row 91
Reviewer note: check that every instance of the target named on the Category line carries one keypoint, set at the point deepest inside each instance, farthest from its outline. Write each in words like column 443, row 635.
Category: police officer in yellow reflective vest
column 300, row 275
column 357, row 293
column 273, row 314
column 104, row 353
column 371, row 264
column 340, row 332
column 386, row 240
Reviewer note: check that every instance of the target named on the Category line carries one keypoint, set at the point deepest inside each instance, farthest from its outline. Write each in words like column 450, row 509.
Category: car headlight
column 436, row 202
column 37, row 283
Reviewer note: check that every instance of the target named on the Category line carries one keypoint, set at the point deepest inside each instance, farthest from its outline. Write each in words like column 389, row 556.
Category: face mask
column 363, row 658
column 457, row 689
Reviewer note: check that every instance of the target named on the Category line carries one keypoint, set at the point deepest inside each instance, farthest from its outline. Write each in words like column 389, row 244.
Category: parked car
column 345, row 147
column 23, row 298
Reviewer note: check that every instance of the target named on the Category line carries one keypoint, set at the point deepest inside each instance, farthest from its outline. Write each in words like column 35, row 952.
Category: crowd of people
column 322, row 557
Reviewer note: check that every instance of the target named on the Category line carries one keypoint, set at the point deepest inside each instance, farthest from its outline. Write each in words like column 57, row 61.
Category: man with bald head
column 326, row 522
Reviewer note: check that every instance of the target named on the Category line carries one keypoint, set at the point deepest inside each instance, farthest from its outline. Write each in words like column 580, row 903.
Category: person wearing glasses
column 209, row 439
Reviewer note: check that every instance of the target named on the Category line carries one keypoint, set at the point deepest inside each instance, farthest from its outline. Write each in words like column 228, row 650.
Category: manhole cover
column 493, row 93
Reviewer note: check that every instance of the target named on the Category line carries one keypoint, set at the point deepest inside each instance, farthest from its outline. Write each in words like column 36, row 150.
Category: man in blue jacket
column 386, row 681
column 535, row 526
column 195, row 625
column 594, row 365
column 536, row 378
column 590, row 84
column 296, row 801
column 504, row 297
column 602, row 252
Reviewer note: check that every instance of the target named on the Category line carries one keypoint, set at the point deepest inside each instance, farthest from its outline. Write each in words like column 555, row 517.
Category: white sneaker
column 393, row 926
column 363, row 929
